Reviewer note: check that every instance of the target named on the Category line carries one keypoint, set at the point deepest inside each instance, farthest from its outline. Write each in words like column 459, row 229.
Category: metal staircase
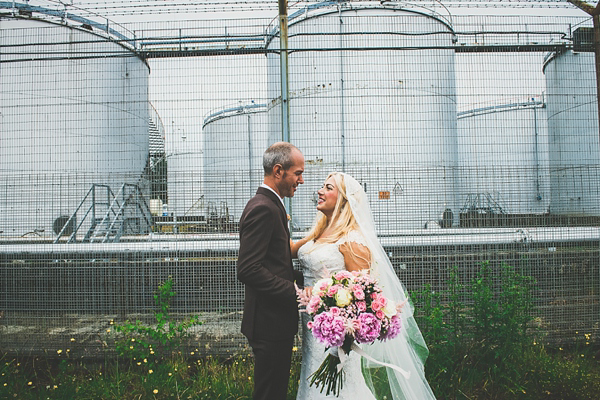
column 109, row 216
column 482, row 203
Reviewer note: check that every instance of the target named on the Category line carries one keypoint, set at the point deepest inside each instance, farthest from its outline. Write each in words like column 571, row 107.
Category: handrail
column 115, row 208
column 107, row 214
column 92, row 191
column 63, row 15
column 126, row 200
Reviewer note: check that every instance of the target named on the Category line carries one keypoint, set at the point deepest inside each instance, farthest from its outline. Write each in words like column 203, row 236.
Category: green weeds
column 483, row 343
column 151, row 343
column 482, row 339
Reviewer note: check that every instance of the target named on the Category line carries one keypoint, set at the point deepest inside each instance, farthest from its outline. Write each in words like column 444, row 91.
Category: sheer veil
column 408, row 350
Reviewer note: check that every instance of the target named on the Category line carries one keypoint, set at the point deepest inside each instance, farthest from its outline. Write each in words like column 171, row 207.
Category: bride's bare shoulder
column 356, row 255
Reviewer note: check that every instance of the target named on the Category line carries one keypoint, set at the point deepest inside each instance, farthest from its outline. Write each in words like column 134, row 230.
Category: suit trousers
column 272, row 364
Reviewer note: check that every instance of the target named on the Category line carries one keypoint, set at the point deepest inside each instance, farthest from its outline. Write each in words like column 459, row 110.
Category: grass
column 209, row 378
column 481, row 336
column 543, row 374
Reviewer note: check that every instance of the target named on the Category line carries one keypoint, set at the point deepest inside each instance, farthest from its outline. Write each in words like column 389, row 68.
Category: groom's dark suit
column 270, row 318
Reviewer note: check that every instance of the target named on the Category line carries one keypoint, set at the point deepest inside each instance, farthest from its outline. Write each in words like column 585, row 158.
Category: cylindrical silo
column 73, row 112
column 372, row 94
column 573, row 133
column 235, row 139
column 184, row 176
column 503, row 158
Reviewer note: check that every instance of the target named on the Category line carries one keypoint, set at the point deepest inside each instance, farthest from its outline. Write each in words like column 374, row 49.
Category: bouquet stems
column 327, row 375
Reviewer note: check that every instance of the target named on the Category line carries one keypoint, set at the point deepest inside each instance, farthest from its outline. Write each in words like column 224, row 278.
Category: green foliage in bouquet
column 140, row 341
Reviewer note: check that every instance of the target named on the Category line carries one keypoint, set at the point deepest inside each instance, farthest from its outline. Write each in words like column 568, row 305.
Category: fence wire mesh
column 128, row 152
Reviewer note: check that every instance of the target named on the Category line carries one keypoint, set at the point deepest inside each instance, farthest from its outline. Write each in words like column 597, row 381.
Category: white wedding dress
column 320, row 260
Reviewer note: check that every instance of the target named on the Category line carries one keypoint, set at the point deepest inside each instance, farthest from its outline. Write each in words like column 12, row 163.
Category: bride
column 344, row 237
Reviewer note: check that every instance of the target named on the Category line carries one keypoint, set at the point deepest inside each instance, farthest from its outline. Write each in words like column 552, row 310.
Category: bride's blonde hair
column 342, row 219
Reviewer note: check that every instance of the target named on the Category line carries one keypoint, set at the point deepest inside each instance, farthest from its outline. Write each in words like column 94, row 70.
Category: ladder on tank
column 109, row 215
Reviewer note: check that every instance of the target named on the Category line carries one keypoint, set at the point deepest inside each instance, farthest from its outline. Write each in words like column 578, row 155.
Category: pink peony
column 329, row 329
column 393, row 328
column 369, row 330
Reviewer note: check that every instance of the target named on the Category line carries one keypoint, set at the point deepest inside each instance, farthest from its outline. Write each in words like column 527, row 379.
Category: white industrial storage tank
column 74, row 112
column 372, row 93
column 184, row 175
column 503, row 158
column 235, row 139
column 573, row 133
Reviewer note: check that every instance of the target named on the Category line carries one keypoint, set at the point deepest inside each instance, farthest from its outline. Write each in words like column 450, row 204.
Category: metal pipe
column 342, row 116
column 285, row 90
column 250, row 154
column 283, row 70
column 152, row 246
column 596, row 43
column 536, row 156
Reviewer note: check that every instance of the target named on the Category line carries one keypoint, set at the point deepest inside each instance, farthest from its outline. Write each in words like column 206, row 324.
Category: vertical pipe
column 342, row 124
column 250, row 155
column 283, row 66
column 283, row 71
column 536, row 155
column 93, row 204
column 596, row 43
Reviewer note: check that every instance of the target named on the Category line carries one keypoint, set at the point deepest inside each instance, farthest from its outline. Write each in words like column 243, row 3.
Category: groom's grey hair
column 278, row 153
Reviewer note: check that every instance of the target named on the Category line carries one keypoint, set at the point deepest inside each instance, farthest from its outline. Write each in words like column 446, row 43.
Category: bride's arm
column 356, row 256
column 295, row 246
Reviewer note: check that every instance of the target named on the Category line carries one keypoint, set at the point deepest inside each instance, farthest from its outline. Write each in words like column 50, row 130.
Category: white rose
column 343, row 297
column 390, row 309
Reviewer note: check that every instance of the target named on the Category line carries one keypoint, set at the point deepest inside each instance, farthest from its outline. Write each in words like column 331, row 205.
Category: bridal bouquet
column 347, row 308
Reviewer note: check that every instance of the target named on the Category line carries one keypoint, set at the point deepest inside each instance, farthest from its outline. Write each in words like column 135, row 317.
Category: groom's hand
column 298, row 278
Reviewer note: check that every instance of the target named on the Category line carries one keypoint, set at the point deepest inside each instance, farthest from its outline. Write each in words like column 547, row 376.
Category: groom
column 264, row 265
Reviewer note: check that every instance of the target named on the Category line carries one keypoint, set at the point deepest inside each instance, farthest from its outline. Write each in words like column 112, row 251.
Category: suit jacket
column 265, row 267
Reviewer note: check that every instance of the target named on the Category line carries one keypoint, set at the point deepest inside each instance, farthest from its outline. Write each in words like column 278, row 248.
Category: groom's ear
column 278, row 171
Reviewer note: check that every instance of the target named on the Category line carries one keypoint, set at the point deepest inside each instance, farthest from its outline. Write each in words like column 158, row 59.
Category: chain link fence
column 129, row 150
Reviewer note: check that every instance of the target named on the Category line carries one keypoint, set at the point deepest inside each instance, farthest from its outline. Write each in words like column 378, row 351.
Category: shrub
column 477, row 332
column 139, row 341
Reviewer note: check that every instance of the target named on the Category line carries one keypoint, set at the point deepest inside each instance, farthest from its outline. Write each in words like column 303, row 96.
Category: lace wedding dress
column 320, row 260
